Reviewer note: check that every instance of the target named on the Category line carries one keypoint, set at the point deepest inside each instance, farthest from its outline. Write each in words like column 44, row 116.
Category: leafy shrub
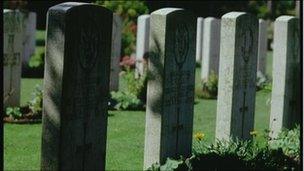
column 134, row 97
column 259, row 8
column 13, row 112
column 126, row 100
column 37, row 59
column 289, row 142
column 209, row 87
column 129, row 11
column 235, row 154
column 262, row 82
column 36, row 103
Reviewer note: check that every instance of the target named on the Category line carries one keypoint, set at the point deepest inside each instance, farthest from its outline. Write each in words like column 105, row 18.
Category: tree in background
column 15, row 4
column 128, row 11
column 271, row 9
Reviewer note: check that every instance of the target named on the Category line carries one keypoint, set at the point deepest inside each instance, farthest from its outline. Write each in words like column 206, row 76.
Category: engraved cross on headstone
column 178, row 126
column 243, row 110
column 246, row 45
column 10, row 59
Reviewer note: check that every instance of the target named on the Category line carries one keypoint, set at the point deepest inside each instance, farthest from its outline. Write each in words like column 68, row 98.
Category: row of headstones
column 18, row 45
column 77, row 75
column 207, row 45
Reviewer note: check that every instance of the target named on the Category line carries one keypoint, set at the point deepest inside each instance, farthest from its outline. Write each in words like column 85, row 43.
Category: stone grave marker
column 29, row 42
column 262, row 47
column 142, row 43
column 12, row 52
column 286, row 96
column 115, row 56
column 199, row 39
column 237, row 76
column 170, row 94
column 211, row 46
column 76, row 87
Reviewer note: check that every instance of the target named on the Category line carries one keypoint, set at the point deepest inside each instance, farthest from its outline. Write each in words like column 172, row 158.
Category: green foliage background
column 128, row 11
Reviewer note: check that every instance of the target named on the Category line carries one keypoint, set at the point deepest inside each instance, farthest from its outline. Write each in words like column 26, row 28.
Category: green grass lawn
column 125, row 142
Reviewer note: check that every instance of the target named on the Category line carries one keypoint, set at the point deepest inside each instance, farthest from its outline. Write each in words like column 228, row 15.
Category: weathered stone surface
column 12, row 53
column 170, row 94
column 29, row 41
column 262, row 47
column 199, row 39
column 76, row 87
column 211, row 46
column 116, row 49
column 142, row 43
column 286, row 96
column 237, row 76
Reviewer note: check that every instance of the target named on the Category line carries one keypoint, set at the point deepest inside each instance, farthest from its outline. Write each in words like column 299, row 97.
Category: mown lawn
column 125, row 143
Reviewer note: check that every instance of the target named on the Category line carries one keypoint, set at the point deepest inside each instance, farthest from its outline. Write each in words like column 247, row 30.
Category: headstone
column 199, row 39
column 237, row 76
column 115, row 56
column 76, row 87
column 29, row 41
column 297, row 8
column 286, row 96
column 262, row 47
column 12, row 53
column 170, row 94
column 142, row 43
column 211, row 46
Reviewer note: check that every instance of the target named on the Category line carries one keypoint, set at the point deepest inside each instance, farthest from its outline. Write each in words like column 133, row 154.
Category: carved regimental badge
column 181, row 44
column 90, row 43
column 246, row 44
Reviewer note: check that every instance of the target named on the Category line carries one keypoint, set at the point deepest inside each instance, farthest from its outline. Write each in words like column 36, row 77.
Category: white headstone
column 170, row 94
column 262, row 48
column 211, row 47
column 285, row 99
column 237, row 76
column 199, row 39
column 142, row 43
column 115, row 55
column 29, row 41
column 12, row 53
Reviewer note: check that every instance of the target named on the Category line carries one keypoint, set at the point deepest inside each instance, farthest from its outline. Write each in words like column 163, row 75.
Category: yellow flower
column 199, row 136
column 253, row 133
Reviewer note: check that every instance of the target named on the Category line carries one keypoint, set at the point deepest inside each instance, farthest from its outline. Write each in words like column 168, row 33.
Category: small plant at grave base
column 262, row 82
column 36, row 103
column 289, row 142
column 134, row 96
column 235, row 154
column 267, row 87
column 126, row 100
column 209, row 87
column 13, row 112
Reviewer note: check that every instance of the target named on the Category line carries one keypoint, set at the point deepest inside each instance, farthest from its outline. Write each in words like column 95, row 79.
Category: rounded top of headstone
column 200, row 19
column 144, row 16
column 234, row 14
column 210, row 19
column 165, row 11
column 285, row 18
column 261, row 20
column 7, row 10
column 70, row 5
